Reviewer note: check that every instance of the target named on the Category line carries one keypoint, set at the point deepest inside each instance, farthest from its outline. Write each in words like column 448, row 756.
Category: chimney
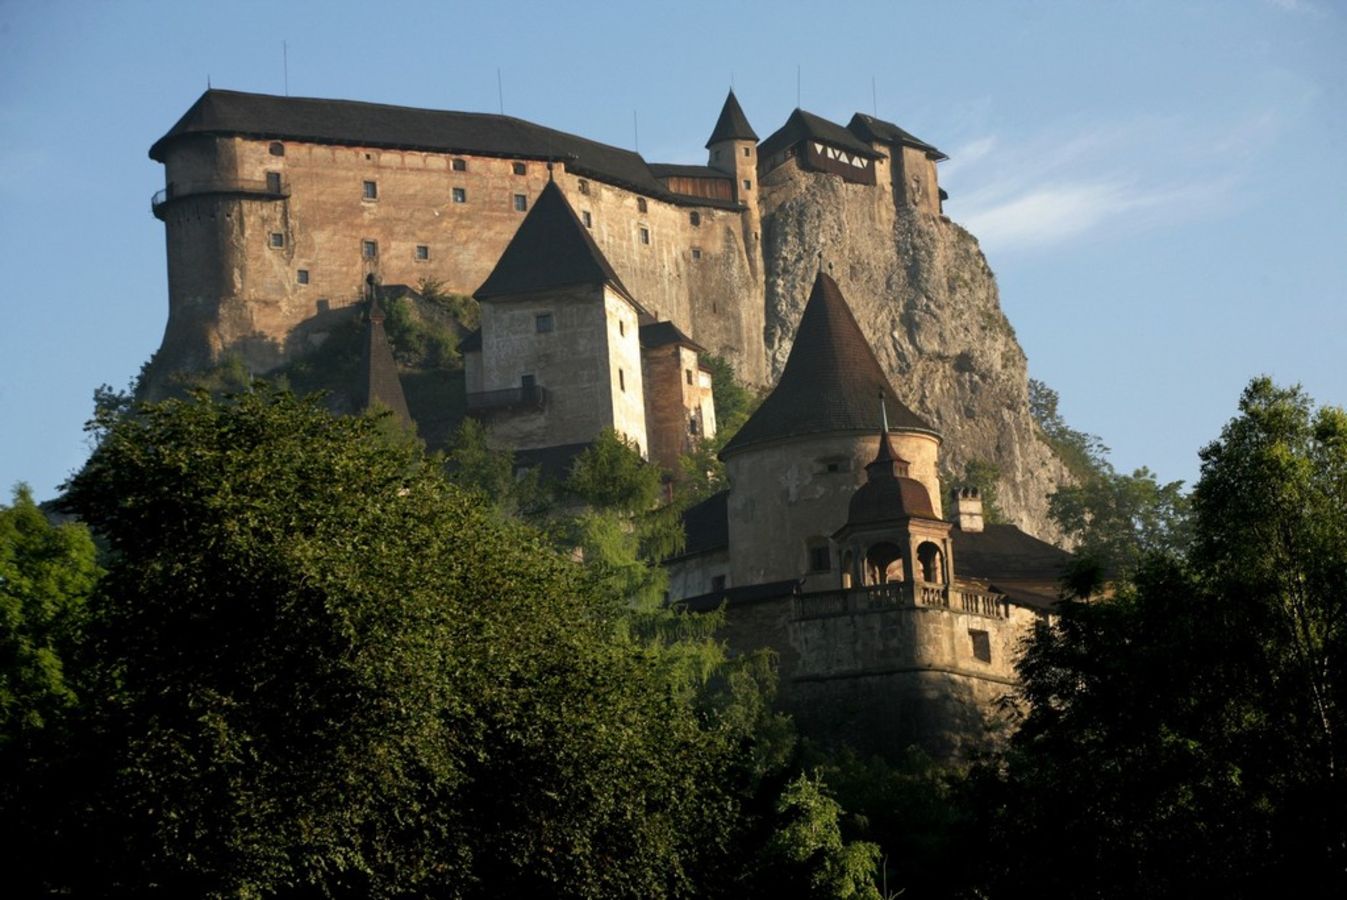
column 967, row 503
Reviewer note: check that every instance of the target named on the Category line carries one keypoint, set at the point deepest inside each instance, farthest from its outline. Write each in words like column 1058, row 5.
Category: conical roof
column 732, row 124
column 379, row 381
column 888, row 493
column 552, row 249
column 831, row 382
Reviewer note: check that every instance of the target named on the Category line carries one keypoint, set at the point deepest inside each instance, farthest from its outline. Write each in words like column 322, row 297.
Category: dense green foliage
column 702, row 473
column 1185, row 736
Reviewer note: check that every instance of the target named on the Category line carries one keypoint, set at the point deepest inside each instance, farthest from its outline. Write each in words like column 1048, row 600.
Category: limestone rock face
column 923, row 294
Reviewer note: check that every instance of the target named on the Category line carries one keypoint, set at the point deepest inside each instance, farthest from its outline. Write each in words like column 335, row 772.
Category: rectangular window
column 302, row 276
column 371, row 190
column 543, row 323
column 519, row 168
column 687, row 373
column 820, row 559
column 696, row 252
column 640, row 204
column 459, row 165
column 645, row 235
column 521, row 202
column 422, row 251
column 369, row 249
column 746, row 151
column 695, row 218
column 621, row 380
column 717, row 582
column 277, row 239
column 621, row 328
column 587, row 219
column 692, row 425
column 273, row 182
column 748, row 185
column 982, row 645
column 460, row 195
column 583, row 186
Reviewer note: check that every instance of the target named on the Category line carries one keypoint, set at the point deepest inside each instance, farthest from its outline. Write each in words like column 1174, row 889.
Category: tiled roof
column 552, row 249
column 351, row 123
column 868, row 128
column 706, row 525
column 732, row 124
column 379, row 382
column 802, row 125
column 661, row 334
column 1004, row 552
column 831, row 383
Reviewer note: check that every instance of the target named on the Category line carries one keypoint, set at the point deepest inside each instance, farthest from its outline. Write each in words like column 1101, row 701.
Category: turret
column 733, row 147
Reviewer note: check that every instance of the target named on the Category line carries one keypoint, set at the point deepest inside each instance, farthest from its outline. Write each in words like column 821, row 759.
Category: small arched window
column 276, row 148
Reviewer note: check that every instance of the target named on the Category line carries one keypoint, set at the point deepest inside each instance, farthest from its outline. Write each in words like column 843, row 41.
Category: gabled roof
column 732, row 124
column 552, row 249
column 868, row 128
column 351, row 123
column 1028, row 571
column 804, row 125
column 379, row 381
column 831, row 383
column 661, row 334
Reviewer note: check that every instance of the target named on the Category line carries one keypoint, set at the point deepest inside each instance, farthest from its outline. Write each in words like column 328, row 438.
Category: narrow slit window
column 621, row 380
column 645, row 235
column 587, row 219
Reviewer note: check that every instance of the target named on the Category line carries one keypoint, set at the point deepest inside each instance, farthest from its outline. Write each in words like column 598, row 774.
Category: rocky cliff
column 923, row 293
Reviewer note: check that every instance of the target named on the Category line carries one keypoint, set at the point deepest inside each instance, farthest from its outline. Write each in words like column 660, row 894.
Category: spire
column 732, row 124
column 551, row 249
column 379, row 383
column 830, row 380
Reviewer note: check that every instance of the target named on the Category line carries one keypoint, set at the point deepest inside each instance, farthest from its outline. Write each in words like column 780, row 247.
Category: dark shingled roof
column 868, row 128
column 888, row 493
column 732, row 124
column 1006, row 552
column 661, row 334
column 831, row 383
column 379, row 382
column 802, row 125
column 552, row 249
column 672, row 170
column 351, row 123
column 707, row 525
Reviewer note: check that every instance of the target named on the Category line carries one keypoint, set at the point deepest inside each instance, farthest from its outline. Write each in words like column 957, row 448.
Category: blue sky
column 1160, row 185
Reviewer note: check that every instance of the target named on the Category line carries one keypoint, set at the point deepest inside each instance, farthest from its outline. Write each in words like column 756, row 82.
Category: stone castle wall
column 232, row 290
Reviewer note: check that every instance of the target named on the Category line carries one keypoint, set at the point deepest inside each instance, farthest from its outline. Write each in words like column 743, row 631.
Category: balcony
column 528, row 398
column 897, row 595
column 269, row 189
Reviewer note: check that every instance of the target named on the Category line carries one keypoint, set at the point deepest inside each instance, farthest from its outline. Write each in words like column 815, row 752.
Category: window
column 583, row 185
column 519, row 168
column 302, row 276
column 621, row 380
column 277, row 239
column 459, row 165
column 820, row 558
column 718, row 582
column 521, row 202
column 645, row 235
column 276, row 148
column 324, row 304
column 621, row 328
column 460, row 195
column 422, row 252
column 543, row 323
column 371, row 190
column 273, row 182
column 982, row 645
column 696, row 219
column 692, row 424
column 640, row 204
column 687, row 373
column 748, row 185
column 747, row 152
column 696, row 252
column 587, row 219
column 369, row 249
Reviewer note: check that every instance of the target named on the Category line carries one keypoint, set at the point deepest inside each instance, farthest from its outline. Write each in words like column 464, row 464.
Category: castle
column 602, row 280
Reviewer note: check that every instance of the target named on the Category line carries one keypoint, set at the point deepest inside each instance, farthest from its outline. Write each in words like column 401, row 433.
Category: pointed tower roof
column 732, row 124
column 830, row 381
column 552, row 249
column 379, row 371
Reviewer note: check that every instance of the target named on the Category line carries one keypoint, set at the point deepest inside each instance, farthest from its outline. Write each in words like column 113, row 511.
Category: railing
column 532, row 397
column 896, row 595
column 269, row 189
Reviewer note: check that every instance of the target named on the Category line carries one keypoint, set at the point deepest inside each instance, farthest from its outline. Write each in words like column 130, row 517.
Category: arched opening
column 884, row 563
column 932, row 563
column 848, row 561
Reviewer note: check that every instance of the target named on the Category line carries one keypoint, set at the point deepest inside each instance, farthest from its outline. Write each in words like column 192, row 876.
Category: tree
column 1184, row 736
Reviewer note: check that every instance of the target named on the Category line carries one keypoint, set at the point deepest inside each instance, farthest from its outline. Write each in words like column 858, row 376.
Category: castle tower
column 379, row 385
column 796, row 462
column 560, row 355
column 733, row 149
